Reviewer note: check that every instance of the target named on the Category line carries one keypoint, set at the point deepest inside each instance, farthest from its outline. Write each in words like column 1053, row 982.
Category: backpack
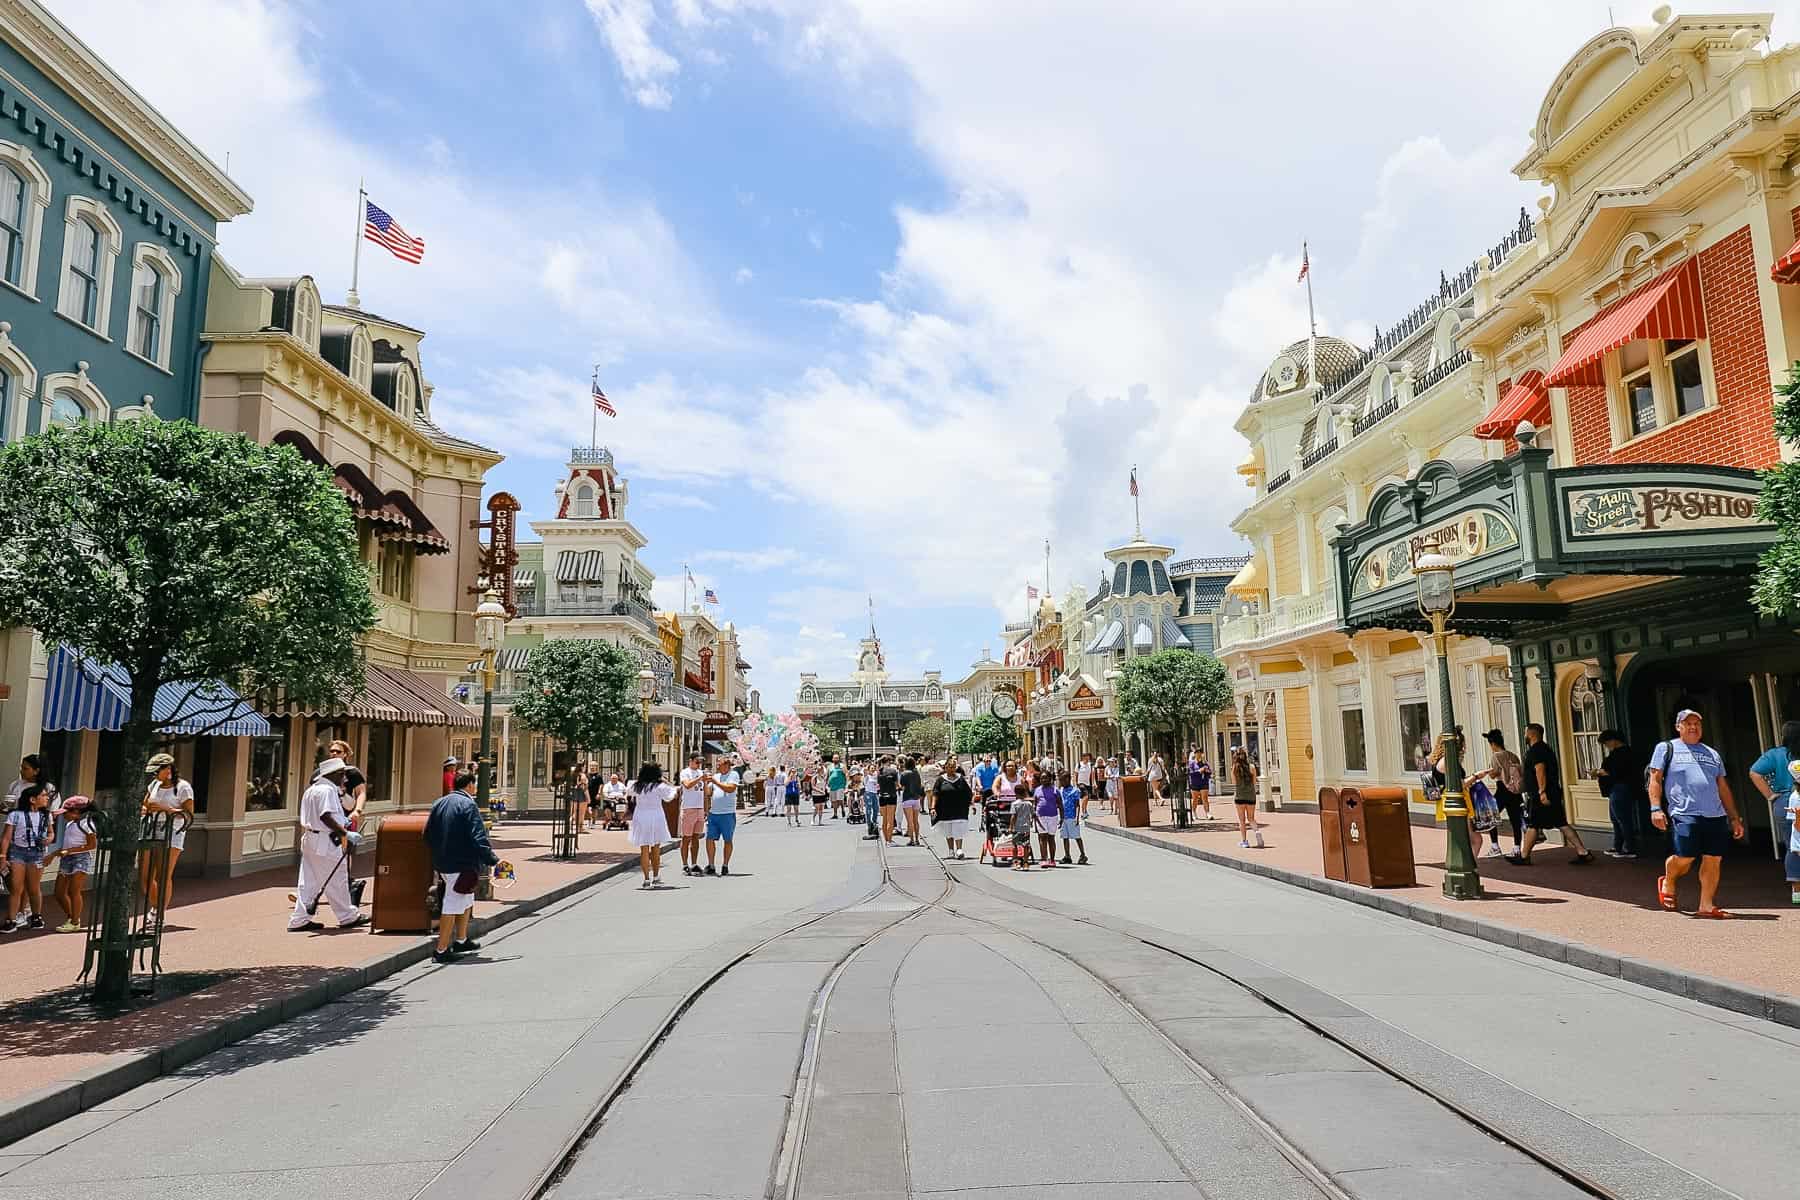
column 1668, row 761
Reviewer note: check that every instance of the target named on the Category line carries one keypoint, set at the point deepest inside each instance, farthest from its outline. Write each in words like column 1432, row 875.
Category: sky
column 886, row 292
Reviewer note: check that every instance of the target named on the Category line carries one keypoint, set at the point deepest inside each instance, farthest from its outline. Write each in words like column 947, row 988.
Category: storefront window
column 1356, row 752
column 1415, row 736
column 379, row 764
column 266, row 790
column 325, row 733
column 1584, row 726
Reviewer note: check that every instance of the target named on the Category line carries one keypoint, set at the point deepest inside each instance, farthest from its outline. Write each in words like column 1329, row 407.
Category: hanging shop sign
column 1085, row 699
column 1461, row 536
column 1605, row 511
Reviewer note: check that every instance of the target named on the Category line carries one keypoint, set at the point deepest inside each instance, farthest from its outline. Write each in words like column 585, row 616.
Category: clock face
column 1288, row 374
column 1003, row 705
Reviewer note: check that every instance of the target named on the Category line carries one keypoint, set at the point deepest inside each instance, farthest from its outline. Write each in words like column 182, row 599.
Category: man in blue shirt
column 985, row 775
column 1690, row 797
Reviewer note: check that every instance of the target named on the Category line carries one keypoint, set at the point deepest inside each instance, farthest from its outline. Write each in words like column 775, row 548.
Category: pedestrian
column 1024, row 823
column 74, row 859
column 23, row 844
column 693, row 813
column 1543, row 792
column 616, row 802
column 985, row 774
column 1619, row 778
column 356, row 785
column 326, row 844
column 31, row 770
column 772, row 792
column 835, row 782
column 1772, row 776
column 459, row 849
column 1073, row 806
column 790, row 798
column 1084, row 775
column 171, row 797
column 1048, row 799
column 649, row 825
column 721, row 815
column 821, row 793
column 1199, row 784
column 871, row 784
column 887, row 795
column 1243, row 796
column 1508, row 774
column 912, row 798
column 1159, row 778
column 450, row 773
column 951, row 799
column 1690, row 797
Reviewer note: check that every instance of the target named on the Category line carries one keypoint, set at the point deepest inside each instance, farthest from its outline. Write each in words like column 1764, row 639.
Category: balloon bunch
column 769, row 743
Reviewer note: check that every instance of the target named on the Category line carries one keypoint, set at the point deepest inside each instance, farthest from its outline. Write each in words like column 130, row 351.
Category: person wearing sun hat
column 326, row 844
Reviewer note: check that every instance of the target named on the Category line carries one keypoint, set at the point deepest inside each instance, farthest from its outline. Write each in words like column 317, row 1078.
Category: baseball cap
column 1685, row 713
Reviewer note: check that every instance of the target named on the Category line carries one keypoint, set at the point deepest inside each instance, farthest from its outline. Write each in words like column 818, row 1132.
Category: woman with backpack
column 23, row 845
column 1508, row 774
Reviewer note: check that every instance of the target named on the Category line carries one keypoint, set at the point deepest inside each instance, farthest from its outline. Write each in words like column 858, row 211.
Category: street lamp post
column 490, row 629
column 646, row 693
column 1436, row 576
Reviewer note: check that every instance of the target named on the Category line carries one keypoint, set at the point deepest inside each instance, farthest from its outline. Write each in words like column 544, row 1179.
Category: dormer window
column 306, row 315
column 359, row 357
column 585, row 507
column 403, row 391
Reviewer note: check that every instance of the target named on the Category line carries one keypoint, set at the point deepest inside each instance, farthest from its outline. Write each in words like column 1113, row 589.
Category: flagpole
column 353, row 299
column 1312, row 322
column 1046, row 566
column 594, row 417
column 1137, row 510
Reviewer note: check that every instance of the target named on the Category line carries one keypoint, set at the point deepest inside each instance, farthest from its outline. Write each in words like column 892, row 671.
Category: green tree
column 582, row 693
column 928, row 737
column 182, row 556
column 1171, row 690
column 1778, row 576
column 987, row 734
column 829, row 741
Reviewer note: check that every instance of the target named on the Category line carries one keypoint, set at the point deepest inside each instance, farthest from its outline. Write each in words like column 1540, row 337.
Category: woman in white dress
column 649, row 825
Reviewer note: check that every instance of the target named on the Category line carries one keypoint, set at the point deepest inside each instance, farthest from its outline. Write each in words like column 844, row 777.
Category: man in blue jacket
column 459, row 849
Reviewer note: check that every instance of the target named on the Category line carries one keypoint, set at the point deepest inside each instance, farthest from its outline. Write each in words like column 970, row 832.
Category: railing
column 1374, row 416
column 1219, row 563
column 591, row 456
column 1518, row 236
column 1290, row 615
column 1436, row 375
column 545, row 606
column 1319, row 452
column 1276, row 484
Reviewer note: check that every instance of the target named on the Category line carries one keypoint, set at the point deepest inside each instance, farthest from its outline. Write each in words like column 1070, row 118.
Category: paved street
column 1150, row 1026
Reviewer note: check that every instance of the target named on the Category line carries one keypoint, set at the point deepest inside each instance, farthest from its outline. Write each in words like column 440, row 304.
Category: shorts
column 1021, row 837
column 1071, row 829
column 721, row 827
column 794, row 803
column 1793, row 866
column 455, row 903
column 958, row 829
column 1701, row 837
column 1545, row 815
column 889, row 801
column 909, row 802
column 1049, row 825
column 819, row 799
column 30, row 856
column 79, row 863
column 691, row 821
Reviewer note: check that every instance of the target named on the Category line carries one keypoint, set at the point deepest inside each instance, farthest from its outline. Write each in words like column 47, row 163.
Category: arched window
column 403, row 392
column 17, row 378
column 1443, row 339
column 9, row 401
column 1584, row 726
column 81, row 286
column 66, row 408
column 584, row 501
column 13, row 199
column 359, row 357
column 1384, row 387
column 147, row 291
column 70, row 398
column 306, row 315
column 24, row 197
column 91, row 244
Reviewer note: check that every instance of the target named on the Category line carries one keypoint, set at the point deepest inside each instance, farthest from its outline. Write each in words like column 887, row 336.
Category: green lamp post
column 1436, row 576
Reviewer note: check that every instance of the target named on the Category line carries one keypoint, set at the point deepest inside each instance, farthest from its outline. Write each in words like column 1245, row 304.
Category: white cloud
column 743, row 275
column 646, row 67
column 771, row 558
column 665, row 499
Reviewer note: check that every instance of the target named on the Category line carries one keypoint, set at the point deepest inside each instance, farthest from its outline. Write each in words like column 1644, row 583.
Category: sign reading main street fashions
column 1461, row 536
column 1595, row 512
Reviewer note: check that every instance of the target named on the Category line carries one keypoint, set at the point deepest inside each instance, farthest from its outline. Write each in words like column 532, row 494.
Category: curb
column 45, row 1106
column 1778, row 1007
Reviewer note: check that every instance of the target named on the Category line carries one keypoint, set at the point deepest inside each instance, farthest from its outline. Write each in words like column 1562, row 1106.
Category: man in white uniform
column 324, row 869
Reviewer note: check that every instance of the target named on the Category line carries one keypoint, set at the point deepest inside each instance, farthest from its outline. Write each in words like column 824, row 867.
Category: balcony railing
column 591, row 456
column 1374, row 416
column 1516, row 237
column 1436, row 375
column 1277, row 483
column 1290, row 615
column 531, row 605
column 1319, row 452
column 1219, row 563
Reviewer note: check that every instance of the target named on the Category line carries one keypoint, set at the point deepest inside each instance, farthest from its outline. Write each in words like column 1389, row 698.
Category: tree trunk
column 112, row 978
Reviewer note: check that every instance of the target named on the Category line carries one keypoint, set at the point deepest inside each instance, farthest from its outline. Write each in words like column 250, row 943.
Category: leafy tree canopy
column 829, row 741
column 1171, row 689
column 582, row 693
column 986, row 734
column 928, row 736
column 1778, row 576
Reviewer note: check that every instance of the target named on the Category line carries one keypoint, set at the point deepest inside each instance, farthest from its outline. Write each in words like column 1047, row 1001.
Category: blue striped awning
column 80, row 693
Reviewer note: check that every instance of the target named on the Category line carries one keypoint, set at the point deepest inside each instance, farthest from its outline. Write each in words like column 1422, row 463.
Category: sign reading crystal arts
column 1460, row 536
column 1654, row 508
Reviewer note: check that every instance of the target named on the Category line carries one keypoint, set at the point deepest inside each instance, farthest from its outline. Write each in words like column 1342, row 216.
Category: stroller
column 996, row 821
column 856, row 814
column 612, row 812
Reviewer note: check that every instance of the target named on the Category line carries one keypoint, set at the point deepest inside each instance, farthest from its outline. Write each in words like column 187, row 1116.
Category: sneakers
column 1066, row 861
column 442, row 957
column 465, row 947
column 1493, row 851
column 360, row 918
column 36, row 922
column 309, row 927
column 1084, row 862
column 644, row 886
column 68, row 927
column 1243, row 843
column 709, row 870
column 724, row 870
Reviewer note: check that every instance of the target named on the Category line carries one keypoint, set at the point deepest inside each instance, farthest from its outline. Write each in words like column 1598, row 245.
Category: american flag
column 601, row 402
column 1030, row 592
column 383, row 230
column 1134, row 490
column 712, row 597
column 1305, row 263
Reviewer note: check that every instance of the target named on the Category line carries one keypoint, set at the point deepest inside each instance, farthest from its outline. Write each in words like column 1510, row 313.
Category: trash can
column 1134, row 802
column 1376, row 837
column 402, row 874
column 1331, row 831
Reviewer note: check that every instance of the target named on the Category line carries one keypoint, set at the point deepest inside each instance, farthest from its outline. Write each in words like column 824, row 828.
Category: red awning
column 1666, row 307
column 1787, row 267
column 1526, row 400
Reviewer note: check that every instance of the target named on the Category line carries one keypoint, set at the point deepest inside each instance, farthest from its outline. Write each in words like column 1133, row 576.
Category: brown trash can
column 1376, row 837
column 402, row 874
column 1134, row 802
column 1331, row 831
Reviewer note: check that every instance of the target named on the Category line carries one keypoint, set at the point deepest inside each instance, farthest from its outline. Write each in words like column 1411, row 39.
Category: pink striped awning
column 1526, row 400
column 1666, row 307
column 1787, row 267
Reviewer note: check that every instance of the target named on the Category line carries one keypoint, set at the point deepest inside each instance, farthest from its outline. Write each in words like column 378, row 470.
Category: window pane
column 267, row 790
column 1634, row 356
column 12, row 225
column 1356, row 753
column 1415, row 736
column 146, row 318
column 6, row 403
column 1641, row 400
column 379, row 769
column 1684, row 374
column 65, row 409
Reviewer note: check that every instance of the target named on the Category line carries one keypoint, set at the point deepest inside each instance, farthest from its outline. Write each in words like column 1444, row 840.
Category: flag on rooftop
column 712, row 597
column 1305, row 264
column 1134, row 490
column 601, row 402
column 383, row 230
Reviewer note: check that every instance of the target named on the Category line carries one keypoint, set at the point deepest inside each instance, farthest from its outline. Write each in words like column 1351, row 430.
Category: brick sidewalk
column 1610, row 905
column 234, row 929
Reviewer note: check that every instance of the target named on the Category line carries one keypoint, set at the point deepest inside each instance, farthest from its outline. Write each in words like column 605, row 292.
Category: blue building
column 107, row 224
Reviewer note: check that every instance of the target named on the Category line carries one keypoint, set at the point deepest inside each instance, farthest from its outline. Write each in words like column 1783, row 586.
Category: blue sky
column 886, row 292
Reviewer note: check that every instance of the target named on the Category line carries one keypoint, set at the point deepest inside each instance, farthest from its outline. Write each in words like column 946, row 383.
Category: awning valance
column 1526, row 400
column 1787, row 267
column 1173, row 634
column 80, row 693
column 524, row 578
column 1108, row 640
column 1141, row 636
column 507, row 658
column 580, row 566
column 1250, row 580
column 396, row 695
column 1666, row 307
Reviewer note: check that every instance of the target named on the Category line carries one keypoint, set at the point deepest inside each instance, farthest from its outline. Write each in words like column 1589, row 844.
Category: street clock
column 1003, row 706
